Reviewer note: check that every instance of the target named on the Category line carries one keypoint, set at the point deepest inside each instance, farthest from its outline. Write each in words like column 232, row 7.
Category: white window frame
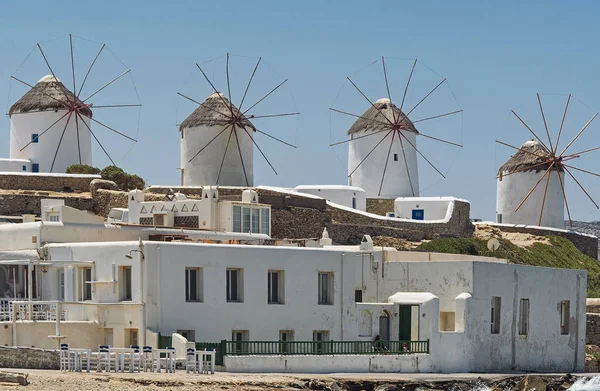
column 320, row 336
column 236, row 218
column 240, row 335
column 275, row 295
column 325, row 288
column 125, row 286
column 265, row 223
column 85, row 285
column 524, row 316
column 238, row 280
column 199, row 285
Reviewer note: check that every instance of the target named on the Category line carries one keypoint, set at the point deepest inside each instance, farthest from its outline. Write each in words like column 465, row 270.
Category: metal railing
column 248, row 348
column 31, row 310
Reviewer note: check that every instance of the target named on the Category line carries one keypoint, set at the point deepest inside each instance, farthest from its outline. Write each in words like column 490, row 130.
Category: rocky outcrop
column 44, row 182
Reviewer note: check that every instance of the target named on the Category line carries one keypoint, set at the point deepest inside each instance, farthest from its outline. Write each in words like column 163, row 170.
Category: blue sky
column 496, row 56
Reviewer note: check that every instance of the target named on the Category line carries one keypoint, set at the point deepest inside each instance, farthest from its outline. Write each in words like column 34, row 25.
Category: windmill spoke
column 224, row 154
column 582, row 152
column 96, row 138
column 107, row 84
column 520, row 149
column 423, row 156
column 527, row 168
column 47, row 129
column 545, row 125
column 562, row 186
column 237, row 140
column 264, row 97
column 42, row 92
column 72, row 64
column 359, row 137
column 425, row 97
column 534, row 187
column 582, row 188
column 386, row 160
column 60, row 141
column 562, row 123
column 406, row 165
column 368, row 100
column 387, row 86
column 580, row 132
column 358, row 116
column 249, row 82
column 114, row 130
column 89, row 70
column 274, row 138
column 582, row 170
column 260, row 150
column 407, row 85
column 544, row 198
column 215, row 90
column 228, row 84
column 271, row 115
column 115, row 106
column 437, row 116
column 78, row 143
column 532, row 132
column 202, row 104
column 53, row 75
column 207, row 144
column 370, row 152
column 440, row 140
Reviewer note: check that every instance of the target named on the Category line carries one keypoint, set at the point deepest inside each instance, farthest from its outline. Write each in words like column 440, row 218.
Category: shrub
column 124, row 180
column 82, row 169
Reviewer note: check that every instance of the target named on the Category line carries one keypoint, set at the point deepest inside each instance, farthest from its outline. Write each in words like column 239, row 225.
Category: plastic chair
column 135, row 359
column 147, row 358
column 67, row 358
column 171, row 360
column 106, row 360
column 207, row 365
column 191, row 360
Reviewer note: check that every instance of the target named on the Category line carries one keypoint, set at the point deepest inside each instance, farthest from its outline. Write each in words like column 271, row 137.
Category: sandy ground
column 485, row 232
column 181, row 381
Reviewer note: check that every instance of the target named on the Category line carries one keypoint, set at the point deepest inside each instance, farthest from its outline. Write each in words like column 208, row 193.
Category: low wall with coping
column 29, row 358
column 409, row 363
column 46, row 181
column 29, row 202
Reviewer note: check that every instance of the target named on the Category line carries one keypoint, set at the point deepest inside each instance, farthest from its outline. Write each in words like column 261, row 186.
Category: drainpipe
column 342, row 296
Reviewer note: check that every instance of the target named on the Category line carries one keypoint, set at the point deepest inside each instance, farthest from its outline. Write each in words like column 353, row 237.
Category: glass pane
column 255, row 220
column 245, row 220
column 237, row 218
column 264, row 221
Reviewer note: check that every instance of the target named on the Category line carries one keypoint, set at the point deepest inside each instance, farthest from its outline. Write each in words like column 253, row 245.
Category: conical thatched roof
column 207, row 113
column 522, row 160
column 373, row 118
column 47, row 94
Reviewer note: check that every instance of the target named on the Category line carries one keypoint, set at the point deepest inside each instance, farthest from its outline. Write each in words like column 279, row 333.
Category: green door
column 404, row 326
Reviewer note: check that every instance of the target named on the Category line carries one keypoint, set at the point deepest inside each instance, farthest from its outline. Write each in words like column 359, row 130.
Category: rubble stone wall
column 32, row 181
column 593, row 329
column 380, row 206
column 17, row 204
column 29, row 358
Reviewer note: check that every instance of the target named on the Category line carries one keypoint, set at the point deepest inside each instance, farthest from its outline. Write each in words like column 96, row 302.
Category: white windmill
column 531, row 184
column 51, row 126
column 218, row 139
column 383, row 153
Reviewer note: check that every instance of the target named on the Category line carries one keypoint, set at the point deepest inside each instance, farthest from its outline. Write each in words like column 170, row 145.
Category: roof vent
column 366, row 244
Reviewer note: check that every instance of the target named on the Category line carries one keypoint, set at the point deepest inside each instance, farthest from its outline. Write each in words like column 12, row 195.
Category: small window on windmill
column 395, row 157
column 205, row 195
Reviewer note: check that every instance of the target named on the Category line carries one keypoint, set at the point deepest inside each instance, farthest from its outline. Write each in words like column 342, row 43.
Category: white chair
column 67, row 358
column 207, row 365
column 172, row 360
column 106, row 360
column 147, row 358
column 191, row 360
column 136, row 359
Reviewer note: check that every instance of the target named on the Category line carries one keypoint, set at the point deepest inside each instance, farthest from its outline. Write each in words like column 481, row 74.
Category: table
column 78, row 354
column 201, row 354
column 169, row 359
column 120, row 353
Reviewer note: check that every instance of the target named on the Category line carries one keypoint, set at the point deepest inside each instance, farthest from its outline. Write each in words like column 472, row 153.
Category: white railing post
column 14, row 324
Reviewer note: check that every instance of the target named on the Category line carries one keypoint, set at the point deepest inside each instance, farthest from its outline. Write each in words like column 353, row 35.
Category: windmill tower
column 218, row 139
column 531, row 184
column 43, row 105
column 382, row 144
column 52, row 126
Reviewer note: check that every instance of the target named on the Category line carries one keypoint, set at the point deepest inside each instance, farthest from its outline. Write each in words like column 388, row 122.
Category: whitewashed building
column 431, row 209
column 349, row 196
column 455, row 313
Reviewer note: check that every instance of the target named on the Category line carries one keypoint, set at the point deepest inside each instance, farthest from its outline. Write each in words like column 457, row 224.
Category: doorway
column 384, row 326
column 404, row 322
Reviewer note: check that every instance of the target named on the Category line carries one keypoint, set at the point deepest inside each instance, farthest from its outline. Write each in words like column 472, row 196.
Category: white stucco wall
column 369, row 174
column 24, row 125
column 512, row 190
column 204, row 168
column 434, row 208
column 350, row 196
column 15, row 165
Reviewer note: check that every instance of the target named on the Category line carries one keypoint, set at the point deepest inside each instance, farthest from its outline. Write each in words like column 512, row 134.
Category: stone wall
column 29, row 358
column 54, row 182
column 592, row 306
column 584, row 243
column 592, row 336
column 380, row 206
column 29, row 202
column 105, row 200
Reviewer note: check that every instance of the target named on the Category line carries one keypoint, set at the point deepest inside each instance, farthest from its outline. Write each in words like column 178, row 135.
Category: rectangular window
column 524, row 317
column 35, row 167
column 61, row 285
column 275, row 286
column 193, row 284
column 320, row 337
column 564, row 316
column 265, row 223
column 499, row 218
column 237, row 218
column 125, row 283
column 495, row 318
column 85, row 283
column 255, row 220
column 235, row 285
column 395, row 157
column 240, row 336
column 325, row 288
column 190, row 335
column 285, row 336
column 353, row 202
column 35, row 138
column 358, row 296
column 24, row 168
column 245, row 219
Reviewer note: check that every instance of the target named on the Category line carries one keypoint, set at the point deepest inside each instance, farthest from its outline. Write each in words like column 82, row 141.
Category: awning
column 19, row 255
